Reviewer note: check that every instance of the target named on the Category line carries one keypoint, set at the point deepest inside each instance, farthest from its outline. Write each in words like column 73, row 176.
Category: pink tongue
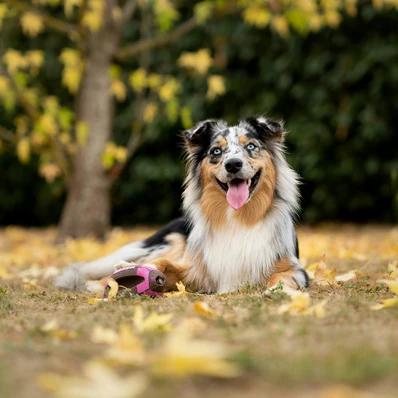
column 237, row 194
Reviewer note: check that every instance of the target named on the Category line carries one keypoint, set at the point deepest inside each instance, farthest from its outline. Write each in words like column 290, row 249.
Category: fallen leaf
column 386, row 303
column 52, row 329
column 203, row 309
column 181, row 291
column 153, row 322
column 101, row 335
column 114, row 287
column 346, row 276
column 182, row 355
column 300, row 304
column 127, row 348
column 97, row 381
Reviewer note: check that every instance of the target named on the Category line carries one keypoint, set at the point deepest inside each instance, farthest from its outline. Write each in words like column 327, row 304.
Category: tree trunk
column 87, row 209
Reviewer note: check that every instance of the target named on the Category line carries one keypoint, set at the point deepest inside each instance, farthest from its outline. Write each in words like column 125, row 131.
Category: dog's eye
column 216, row 151
column 251, row 147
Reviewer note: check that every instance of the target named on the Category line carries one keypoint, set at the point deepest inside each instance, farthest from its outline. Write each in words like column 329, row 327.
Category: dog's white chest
column 236, row 255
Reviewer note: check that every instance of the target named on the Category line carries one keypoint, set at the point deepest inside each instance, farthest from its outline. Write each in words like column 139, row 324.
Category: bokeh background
column 333, row 80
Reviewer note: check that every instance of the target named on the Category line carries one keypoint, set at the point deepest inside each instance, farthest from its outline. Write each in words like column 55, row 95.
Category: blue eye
column 216, row 151
column 251, row 147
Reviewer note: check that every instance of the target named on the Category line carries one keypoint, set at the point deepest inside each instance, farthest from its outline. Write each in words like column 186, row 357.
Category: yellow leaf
column 204, row 309
column 215, row 86
column 346, row 277
column 153, row 322
column 257, row 15
column 113, row 288
column 393, row 286
column 127, row 349
column 118, row 89
column 23, row 150
column 138, row 79
column 69, row 6
column 180, row 290
column 97, row 380
column 73, row 69
column 52, row 329
column 300, row 304
column 182, row 355
column 169, row 89
column 4, row 274
column 101, row 335
column 279, row 23
column 14, row 60
column 199, row 61
column 92, row 18
column 50, row 171
column 32, row 23
column 35, row 58
column 150, row 111
column 186, row 117
column 387, row 303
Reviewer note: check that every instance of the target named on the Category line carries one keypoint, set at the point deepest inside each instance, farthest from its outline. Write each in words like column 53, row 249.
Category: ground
column 330, row 343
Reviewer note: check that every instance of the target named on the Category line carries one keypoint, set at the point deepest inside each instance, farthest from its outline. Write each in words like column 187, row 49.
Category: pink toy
column 140, row 279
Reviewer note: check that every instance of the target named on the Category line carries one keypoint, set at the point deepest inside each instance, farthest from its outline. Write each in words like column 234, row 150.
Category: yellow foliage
column 215, row 86
column 32, row 23
column 199, row 61
column 73, row 69
column 203, row 11
column 169, row 89
column 113, row 154
column 35, row 58
column 300, row 304
column 186, row 117
column 150, row 111
column 52, row 329
column 118, row 89
column 257, row 15
column 23, row 150
column 154, row 80
column 165, row 13
column 14, row 60
column 280, row 24
column 92, row 18
column 50, row 171
column 69, row 6
column 138, row 79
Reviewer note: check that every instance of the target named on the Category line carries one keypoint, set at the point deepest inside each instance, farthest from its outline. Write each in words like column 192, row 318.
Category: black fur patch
column 265, row 130
column 179, row 225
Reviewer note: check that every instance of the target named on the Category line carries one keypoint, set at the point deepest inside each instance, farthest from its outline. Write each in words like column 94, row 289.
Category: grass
column 352, row 350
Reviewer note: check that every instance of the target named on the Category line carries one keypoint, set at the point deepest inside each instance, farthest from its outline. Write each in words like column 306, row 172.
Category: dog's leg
column 290, row 273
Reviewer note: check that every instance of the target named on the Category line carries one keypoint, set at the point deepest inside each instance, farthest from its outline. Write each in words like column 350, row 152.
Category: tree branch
column 160, row 40
column 129, row 9
column 50, row 21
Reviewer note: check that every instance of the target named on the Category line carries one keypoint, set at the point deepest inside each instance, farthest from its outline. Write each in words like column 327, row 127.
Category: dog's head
column 235, row 161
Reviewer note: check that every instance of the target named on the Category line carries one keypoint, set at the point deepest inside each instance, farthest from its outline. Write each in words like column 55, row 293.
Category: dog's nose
column 233, row 165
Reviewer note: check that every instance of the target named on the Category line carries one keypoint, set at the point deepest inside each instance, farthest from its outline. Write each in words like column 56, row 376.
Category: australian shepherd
column 239, row 202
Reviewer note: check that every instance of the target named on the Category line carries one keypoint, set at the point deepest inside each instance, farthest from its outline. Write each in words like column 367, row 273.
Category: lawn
column 329, row 344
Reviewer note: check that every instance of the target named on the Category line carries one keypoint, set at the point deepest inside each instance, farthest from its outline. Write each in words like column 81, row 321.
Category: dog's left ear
column 267, row 129
column 199, row 136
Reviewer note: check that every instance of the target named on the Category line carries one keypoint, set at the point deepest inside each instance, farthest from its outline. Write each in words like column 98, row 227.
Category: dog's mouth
column 239, row 190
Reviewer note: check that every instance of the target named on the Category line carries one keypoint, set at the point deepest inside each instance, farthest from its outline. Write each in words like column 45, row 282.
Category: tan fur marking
column 174, row 272
column 213, row 202
column 221, row 142
column 243, row 139
column 261, row 201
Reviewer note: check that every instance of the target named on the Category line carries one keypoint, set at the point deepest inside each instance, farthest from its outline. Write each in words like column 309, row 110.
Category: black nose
column 233, row 165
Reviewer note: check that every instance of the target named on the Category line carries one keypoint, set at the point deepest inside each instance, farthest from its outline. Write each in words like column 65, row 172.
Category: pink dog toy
column 140, row 279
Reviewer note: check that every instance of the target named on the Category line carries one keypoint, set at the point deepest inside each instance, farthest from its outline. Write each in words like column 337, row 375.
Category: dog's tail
column 74, row 277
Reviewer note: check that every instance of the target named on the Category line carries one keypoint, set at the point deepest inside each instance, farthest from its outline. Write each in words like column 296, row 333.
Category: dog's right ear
column 199, row 136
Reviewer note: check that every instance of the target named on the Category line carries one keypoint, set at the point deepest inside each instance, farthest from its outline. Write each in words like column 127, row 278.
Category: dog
column 240, row 199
